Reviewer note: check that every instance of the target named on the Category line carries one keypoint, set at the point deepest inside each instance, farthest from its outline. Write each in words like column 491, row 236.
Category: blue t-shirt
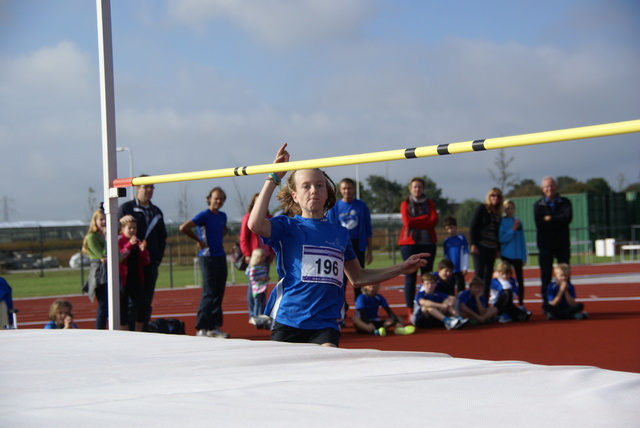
column 369, row 305
column 552, row 292
column 456, row 249
column 436, row 296
column 211, row 230
column 51, row 325
column 468, row 299
column 355, row 217
column 448, row 287
column 310, row 256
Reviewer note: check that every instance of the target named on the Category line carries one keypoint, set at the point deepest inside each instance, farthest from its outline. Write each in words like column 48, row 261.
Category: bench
column 631, row 248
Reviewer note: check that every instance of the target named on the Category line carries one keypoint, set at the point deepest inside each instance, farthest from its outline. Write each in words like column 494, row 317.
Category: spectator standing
column 151, row 228
column 513, row 247
column 211, row 227
column 95, row 246
column 552, row 214
column 483, row 234
column 249, row 242
column 354, row 215
column 418, row 235
column 133, row 258
column 456, row 249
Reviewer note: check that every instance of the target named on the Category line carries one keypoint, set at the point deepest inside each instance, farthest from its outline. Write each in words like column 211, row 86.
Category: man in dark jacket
column 552, row 215
column 152, row 229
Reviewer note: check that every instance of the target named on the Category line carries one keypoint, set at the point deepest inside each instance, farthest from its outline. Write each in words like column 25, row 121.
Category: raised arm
column 359, row 276
column 258, row 222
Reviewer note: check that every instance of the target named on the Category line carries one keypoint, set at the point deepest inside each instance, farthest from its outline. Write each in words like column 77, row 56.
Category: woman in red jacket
column 418, row 235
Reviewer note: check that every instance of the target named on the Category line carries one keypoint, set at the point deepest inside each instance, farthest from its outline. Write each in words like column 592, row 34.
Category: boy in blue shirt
column 435, row 307
column 473, row 305
column 367, row 319
column 456, row 249
column 444, row 277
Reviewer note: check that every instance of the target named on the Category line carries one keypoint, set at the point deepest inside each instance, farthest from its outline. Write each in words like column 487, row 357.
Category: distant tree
column 526, row 187
column 525, row 190
column 501, row 174
column 464, row 212
column 633, row 187
column 564, row 181
column 599, row 185
column 385, row 195
column 577, row 187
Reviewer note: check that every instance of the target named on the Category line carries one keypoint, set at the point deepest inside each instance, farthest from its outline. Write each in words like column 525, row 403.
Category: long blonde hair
column 291, row 207
column 93, row 228
column 496, row 209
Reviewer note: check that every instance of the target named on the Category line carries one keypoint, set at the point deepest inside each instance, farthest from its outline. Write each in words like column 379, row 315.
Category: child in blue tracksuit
column 513, row 247
column 367, row 319
column 473, row 305
column 433, row 308
column 456, row 249
column 561, row 295
column 501, row 293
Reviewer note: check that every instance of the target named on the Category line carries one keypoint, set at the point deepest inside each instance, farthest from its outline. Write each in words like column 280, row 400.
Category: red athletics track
column 609, row 339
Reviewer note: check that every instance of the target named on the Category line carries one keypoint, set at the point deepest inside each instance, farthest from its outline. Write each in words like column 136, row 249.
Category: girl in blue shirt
column 311, row 256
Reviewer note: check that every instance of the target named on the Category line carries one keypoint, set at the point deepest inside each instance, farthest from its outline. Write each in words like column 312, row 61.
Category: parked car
column 78, row 258
column 47, row 262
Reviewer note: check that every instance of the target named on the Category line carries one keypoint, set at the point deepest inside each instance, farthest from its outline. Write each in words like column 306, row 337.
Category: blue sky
column 214, row 84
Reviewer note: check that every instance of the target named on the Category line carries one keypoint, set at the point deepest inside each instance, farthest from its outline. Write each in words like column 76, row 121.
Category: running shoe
column 405, row 330
column 380, row 332
column 451, row 323
column 217, row 333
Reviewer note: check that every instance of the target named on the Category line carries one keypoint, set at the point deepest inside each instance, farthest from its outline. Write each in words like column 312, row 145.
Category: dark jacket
column 484, row 228
column 157, row 236
column 553, row 234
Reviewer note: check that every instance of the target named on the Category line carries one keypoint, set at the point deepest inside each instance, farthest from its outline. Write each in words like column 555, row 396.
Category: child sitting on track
column 444, row 277
column 60, row 315
column 367, row 319
column 435, row 307
column 503, row 290
column 562, row 297
column 473, row 305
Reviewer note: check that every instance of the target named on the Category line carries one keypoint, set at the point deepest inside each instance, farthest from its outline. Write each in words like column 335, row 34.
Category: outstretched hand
column 414, row 262
column 282, row 156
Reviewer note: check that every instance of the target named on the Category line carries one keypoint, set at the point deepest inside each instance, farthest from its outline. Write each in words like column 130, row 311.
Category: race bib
column 322, row 264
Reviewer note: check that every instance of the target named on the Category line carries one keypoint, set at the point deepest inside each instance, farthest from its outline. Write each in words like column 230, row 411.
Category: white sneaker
column 252, row 321
column 217, row 333
column 202, row 333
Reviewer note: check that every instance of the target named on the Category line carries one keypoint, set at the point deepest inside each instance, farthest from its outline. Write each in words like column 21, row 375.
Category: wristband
column 273, row 178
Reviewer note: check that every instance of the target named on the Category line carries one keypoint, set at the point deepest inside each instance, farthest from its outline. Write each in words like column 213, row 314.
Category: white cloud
column 279, row 23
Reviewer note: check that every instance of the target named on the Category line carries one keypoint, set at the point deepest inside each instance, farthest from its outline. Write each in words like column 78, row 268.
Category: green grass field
column 63, row 282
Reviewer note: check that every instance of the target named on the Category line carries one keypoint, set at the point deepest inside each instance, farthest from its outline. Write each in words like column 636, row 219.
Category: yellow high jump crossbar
column 594, row 131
